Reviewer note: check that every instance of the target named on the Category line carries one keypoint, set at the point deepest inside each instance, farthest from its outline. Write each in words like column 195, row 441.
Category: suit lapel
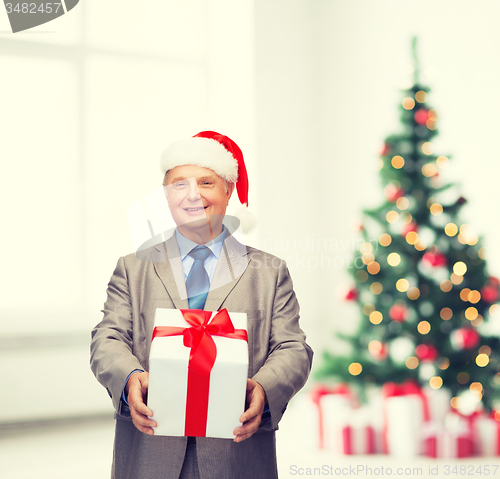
column 169, row 269
column 233, row 262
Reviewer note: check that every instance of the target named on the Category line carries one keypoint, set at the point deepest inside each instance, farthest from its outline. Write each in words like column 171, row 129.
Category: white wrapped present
column 198, row 368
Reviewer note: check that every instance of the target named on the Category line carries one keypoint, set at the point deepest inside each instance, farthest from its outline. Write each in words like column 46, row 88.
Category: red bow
column 201, row 359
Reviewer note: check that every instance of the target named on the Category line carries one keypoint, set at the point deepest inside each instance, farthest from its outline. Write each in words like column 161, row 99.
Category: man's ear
column 230, row 189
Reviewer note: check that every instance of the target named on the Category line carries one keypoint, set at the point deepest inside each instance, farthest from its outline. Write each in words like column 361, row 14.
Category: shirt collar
column 186, row 245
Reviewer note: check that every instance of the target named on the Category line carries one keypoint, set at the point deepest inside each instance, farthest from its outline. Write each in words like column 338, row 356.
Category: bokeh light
column 393, row 259
column 402, row 285
column 436, row 209
column 392, row 217
column 413, row 293
column 373, row 268
column 424, row 327
column 482, row 360
column 436, row 382
column 385, row 239
column 446, row 285
column 412, row 362
column 474, row 296
column 421, row 96
column 427, row 148
column 464, row 294
column 446, row 314
column 412, row 237
column 471, row 313
column 430, row 169
column 376, row 317
column 460, row 268
column 408, row 103
column 451, row 229
column 402, row 203
column 397, row 162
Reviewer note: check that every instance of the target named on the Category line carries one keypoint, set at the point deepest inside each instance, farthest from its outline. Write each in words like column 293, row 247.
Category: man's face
column 197, row 197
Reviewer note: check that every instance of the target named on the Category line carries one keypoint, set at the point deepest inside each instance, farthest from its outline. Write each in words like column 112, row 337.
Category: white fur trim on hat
column 203, row 152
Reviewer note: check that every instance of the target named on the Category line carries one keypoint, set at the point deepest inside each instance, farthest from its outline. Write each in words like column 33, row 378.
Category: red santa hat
column 212, row 150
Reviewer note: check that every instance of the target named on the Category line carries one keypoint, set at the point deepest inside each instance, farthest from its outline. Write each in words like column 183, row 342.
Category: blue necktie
column 198, row 282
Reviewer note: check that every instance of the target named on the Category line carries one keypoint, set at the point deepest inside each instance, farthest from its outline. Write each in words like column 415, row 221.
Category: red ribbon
column 201, row 360
column 493, row 417
column 467, row 445
column 348, row 445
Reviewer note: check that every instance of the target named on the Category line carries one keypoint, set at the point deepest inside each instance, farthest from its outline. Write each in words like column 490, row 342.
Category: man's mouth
column 199, row 208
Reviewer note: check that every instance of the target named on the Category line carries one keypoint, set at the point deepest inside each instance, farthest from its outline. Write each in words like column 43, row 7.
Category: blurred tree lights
column 427, row 302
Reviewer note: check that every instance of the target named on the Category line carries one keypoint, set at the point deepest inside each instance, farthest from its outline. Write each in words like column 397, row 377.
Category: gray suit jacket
column 245, row 280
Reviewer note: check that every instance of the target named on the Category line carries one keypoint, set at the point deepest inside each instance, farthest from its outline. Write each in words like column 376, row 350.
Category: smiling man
column 197, row 198
column 216, row 272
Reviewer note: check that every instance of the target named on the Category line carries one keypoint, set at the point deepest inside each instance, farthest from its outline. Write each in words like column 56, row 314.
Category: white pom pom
column 247, row 219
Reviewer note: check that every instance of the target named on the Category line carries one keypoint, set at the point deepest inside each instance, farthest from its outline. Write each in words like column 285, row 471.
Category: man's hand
column 136, row 391
column 255, row 402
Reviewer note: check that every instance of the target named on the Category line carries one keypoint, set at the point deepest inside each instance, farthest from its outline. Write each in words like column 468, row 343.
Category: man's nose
column 193, row 192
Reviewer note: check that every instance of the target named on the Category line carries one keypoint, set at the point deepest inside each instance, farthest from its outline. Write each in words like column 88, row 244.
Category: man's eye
column 180, row 185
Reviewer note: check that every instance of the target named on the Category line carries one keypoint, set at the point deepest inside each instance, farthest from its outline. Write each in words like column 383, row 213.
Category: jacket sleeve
column 111, row 356
column 289, row 360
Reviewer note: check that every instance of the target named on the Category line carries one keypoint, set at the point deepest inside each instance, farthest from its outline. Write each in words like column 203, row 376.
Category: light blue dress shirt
column 186, row 245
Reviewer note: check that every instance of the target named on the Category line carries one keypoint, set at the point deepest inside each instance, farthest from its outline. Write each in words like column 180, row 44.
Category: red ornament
column 393, row 193
column 351, row 295
column 494, row 281
column 426, row 352
column 399, row 313
column 489, row 293
column 436, row 260
column 461, row 200
column 421, row 116
column 465, row 338
column 386, row 149
column 412, row 226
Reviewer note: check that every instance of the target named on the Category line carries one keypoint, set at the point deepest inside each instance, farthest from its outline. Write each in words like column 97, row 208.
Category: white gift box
column 488, row 436
column 404, row 418
column 335, row 408
column 438, row 401
column 168, row 393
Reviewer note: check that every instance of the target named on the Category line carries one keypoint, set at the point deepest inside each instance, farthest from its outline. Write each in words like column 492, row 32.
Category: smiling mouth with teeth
column 196, row 209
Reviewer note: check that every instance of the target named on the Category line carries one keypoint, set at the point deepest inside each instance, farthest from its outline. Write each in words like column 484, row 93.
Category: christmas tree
column 420, row 276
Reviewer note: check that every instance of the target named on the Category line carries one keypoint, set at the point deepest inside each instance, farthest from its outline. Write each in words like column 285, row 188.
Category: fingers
column 251, row 418
column 142, row 422
column 140, row 412
column 249, row 427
